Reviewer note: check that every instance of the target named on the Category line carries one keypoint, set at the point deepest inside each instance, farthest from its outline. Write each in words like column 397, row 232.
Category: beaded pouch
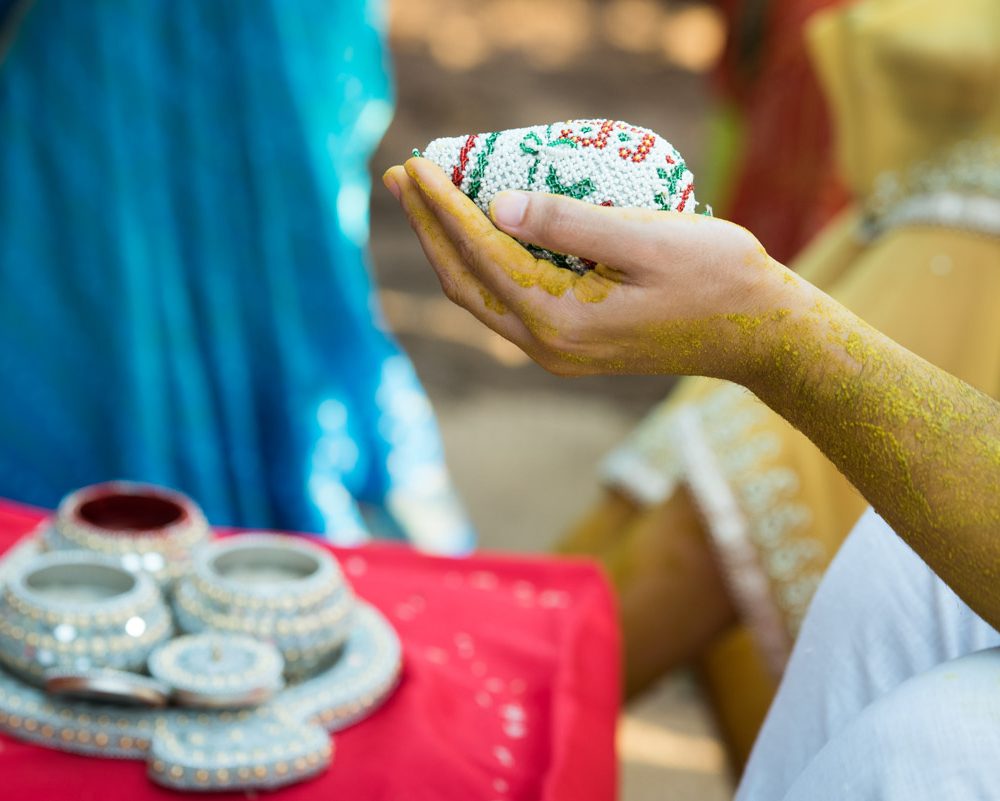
column 604, row 162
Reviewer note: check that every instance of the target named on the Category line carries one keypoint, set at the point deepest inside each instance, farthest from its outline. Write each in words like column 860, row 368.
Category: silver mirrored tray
column 282, row 741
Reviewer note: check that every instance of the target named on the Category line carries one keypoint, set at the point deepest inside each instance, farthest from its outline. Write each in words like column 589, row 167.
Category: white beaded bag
column 604, row 162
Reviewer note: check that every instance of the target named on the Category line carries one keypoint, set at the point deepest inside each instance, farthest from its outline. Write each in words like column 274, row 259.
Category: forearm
column 921, row 445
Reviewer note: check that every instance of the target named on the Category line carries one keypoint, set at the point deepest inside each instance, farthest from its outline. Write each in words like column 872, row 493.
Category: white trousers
column 892, row 692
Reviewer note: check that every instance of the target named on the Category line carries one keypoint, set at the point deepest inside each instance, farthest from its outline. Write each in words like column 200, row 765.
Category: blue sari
column 184, row 297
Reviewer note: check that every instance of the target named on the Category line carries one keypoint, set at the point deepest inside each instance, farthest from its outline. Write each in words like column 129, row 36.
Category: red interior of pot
column 119, row 512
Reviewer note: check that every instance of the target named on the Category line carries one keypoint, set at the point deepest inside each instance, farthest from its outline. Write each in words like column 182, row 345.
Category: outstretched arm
column 677, row 293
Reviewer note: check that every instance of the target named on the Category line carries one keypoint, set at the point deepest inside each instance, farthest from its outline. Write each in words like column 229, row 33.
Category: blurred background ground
column 524, row 446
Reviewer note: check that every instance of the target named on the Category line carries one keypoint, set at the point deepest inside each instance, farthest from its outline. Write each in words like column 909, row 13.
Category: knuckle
column 550, row 361
column 568, row 337
column 560, row 359
column 550, row 339
column 468, row 251
column 569, row 349
column 562, row 368
column 450, row 289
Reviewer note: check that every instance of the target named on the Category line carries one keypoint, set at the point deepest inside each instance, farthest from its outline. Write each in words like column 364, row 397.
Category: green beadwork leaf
column 579, row 190
column 476, row 176
column 533, row 137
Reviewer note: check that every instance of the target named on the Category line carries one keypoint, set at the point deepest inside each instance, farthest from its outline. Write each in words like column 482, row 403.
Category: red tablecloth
column 509, row 691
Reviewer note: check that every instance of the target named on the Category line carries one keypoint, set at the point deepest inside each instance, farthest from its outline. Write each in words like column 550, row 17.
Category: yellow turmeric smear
column 527, row 271
column 591, row 287
column 596, row 285
column 493, row 303
column 749, row 324
column 923, row 445
column 424, row 219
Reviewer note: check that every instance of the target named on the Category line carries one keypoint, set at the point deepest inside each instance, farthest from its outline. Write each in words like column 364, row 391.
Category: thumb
column 620, row 238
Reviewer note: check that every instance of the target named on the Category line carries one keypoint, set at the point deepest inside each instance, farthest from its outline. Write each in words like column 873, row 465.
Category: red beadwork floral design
column 458, row 173
column 599, row 141
column 641, row 151
column 685, row 194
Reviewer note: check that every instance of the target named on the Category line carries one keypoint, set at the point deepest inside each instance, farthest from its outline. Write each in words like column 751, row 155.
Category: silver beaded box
column 78, row 610
column 149, row 528
column 89, row 624
column 280, row 589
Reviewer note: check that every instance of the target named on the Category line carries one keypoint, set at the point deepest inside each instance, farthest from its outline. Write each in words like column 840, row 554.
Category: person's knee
column 935, row 736
column 948, row 702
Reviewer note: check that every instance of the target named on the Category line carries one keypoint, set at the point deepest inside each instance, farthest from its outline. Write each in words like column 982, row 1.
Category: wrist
column 771, row 332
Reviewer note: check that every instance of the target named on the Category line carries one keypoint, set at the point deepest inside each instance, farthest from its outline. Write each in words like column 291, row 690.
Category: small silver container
column 280, row 589
column 216, row 670
column 77, row 611
column 150, row 528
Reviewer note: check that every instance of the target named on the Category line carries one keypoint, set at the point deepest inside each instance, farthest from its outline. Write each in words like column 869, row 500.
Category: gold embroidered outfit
column 920, row 262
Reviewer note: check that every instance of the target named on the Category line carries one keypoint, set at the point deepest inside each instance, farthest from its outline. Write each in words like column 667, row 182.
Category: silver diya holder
column 149, row 528
column 76, row 611
column 282, row 590
column 254, row 605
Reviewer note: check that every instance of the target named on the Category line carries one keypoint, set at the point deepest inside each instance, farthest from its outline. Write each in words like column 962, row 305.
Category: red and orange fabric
column 785, row 186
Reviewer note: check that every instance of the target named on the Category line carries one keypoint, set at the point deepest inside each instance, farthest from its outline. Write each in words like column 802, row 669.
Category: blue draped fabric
column 183, row 291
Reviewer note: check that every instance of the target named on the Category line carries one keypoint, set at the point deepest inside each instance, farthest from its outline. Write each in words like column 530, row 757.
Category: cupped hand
column 670, row 292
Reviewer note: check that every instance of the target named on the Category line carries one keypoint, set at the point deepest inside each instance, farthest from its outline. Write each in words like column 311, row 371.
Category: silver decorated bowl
column 280, row 589
column 77, row 611
column 149, row 528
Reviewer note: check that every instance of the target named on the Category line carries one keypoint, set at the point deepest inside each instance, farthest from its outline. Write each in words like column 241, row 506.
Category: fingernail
column 391, row 185
column 509, row 208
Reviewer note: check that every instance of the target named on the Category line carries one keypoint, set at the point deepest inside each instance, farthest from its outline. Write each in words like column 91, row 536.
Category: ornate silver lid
column 218, row 670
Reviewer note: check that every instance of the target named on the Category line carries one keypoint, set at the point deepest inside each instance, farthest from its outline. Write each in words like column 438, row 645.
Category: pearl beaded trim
column 974, row 213
column 959, row 190
column 307, row 617
column 184, row 664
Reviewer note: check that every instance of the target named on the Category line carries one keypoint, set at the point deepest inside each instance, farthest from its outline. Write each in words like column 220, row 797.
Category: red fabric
column 787, row 186
column 509, row 690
